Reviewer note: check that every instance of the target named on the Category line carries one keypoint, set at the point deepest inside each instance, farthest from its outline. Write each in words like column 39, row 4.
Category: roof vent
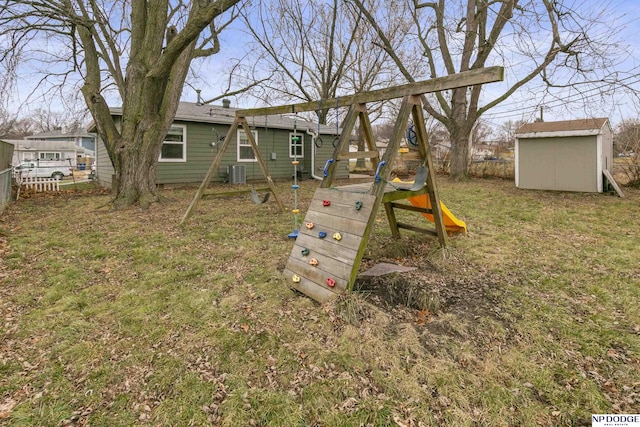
column 226, row 103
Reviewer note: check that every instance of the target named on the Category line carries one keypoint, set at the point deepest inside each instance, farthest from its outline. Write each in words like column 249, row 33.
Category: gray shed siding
column 607, row 148
column 558, row 163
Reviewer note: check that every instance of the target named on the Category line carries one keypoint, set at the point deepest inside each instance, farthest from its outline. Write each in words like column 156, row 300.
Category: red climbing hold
column 331, row 282
column 326, row 203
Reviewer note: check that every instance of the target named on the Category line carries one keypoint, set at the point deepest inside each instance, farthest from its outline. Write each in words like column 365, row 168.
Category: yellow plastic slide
column 451, row 223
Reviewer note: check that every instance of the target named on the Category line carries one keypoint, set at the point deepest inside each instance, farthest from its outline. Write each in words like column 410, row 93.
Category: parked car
column 32, row 169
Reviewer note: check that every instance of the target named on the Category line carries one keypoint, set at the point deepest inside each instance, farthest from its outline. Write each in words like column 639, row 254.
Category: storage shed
column 570, row 155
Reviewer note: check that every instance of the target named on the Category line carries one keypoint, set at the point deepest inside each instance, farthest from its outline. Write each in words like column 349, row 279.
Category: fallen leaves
column 6, row 407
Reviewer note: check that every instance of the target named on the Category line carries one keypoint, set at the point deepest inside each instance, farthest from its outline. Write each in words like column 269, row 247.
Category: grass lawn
column 120, row 318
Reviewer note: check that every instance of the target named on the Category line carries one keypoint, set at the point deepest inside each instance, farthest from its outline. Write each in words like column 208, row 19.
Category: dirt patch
column 442, row 302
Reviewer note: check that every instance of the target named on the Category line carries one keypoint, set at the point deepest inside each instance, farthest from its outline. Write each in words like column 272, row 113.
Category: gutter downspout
column 314, row 135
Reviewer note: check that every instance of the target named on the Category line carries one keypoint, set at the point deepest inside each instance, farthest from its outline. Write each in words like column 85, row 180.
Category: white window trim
column 301, row 135
column 184, row 147
column 42, row 157
column 238, row 145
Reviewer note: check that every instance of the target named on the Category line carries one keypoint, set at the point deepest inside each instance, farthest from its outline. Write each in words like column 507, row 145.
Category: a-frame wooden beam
column 263, row 165
column 212, row 169
column 465, row 78
column 377, row 190
column 238, row 122
column 343, row 142
column 432, row 189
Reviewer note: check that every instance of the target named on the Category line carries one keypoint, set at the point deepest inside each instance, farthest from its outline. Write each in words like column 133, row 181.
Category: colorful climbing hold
column 309, row 225
column 305, row 252
column 295, row 211
column 295, row 186
column 322, row 234
column 326, row 203
column 296, row 278
column 313, row 262
column 337, row 236
column 358, row 205
column 331, row 282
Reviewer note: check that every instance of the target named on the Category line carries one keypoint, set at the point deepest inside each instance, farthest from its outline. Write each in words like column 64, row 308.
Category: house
column 198, row 132
column 440, row 144
column 567, row 155
column 79, row 137
column 483, row 152
column 64, row 152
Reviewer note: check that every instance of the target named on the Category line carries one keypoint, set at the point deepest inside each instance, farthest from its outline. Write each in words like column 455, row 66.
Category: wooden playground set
column 330, row 243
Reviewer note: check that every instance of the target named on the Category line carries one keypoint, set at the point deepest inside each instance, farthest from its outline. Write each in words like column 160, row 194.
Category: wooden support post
column 263, row 165
column 239, row 121
column 432, row 188
column 393, row 222
column 347, row 127
column 214, row 167
column 369, row 138
column 392, row 149
column 377, row 189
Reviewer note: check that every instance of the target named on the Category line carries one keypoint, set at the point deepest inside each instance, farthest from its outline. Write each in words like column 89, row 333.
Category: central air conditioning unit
column 237, row 174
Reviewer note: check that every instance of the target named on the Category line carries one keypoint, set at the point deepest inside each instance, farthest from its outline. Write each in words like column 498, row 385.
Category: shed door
column 564, row 164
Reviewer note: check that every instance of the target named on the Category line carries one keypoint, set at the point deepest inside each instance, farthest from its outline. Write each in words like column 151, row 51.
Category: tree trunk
column 136, row 178
column 459, row 167
column 459, row 134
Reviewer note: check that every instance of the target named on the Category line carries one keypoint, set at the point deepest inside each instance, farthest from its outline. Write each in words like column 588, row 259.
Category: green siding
column 200, row 155
column 104, row 167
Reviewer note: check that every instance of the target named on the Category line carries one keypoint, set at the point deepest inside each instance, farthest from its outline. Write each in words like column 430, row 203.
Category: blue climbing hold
column 322, row 234
column 295, row 187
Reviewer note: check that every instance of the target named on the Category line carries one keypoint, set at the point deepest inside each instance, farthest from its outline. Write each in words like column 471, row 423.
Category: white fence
column 39, row 184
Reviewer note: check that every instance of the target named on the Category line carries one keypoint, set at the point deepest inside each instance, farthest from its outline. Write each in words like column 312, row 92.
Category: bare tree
column 627, row 148
column 141, row 49
column 314, row 50
column 506, row 134
column 317, row 50
column 535, row 39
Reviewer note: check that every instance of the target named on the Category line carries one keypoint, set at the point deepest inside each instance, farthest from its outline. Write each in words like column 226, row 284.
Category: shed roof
column 205, row 113
column 581, row 126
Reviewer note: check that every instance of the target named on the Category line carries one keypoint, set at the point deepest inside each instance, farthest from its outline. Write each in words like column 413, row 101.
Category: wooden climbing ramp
column 333, row 233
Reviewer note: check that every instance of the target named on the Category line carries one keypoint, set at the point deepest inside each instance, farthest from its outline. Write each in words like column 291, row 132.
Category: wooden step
column 358, row 155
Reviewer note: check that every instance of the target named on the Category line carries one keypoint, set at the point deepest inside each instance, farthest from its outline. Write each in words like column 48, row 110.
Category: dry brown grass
column 126, row 318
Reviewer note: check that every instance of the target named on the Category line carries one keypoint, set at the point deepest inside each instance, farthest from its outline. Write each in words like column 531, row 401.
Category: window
column 296, row 145
column 50, row 156
column 245, row 152
column 174, row 147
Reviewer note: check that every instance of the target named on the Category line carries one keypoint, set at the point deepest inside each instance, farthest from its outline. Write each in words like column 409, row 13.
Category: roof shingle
column 565, row 125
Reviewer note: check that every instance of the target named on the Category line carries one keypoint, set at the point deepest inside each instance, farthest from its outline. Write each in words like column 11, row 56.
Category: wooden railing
column 39, row 184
